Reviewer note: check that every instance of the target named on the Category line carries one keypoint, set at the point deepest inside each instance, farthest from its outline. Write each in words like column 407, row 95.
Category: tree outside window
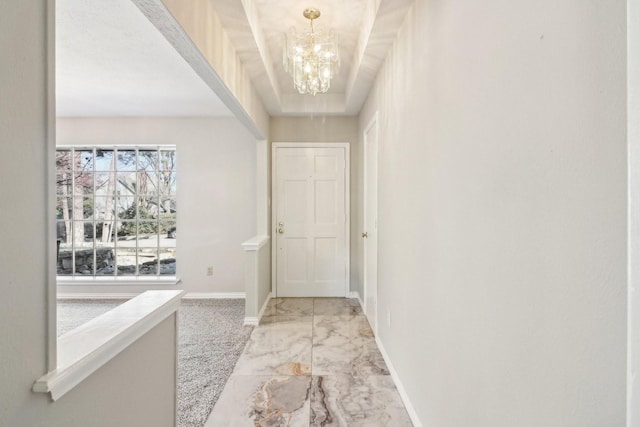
column 116, row 211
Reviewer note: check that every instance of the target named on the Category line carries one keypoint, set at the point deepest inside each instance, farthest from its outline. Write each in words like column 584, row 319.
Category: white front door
column 370, row 234
column 310, row 220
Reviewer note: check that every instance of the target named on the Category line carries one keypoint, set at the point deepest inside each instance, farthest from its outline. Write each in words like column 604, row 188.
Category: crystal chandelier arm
column 311, row 59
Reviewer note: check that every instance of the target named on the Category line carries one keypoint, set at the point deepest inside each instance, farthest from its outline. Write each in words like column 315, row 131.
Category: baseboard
column 264, row 307
column 188, row 295
column 95, row 295
column 356, row 295
column 403, row 394
column 255, row 321
column 215, row 295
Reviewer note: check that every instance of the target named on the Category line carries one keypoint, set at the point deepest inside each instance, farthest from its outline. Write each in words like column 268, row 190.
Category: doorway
column 310, row 214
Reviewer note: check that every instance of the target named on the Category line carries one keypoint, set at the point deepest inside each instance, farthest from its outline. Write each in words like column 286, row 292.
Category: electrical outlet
column 388, row 318
column 209, row 271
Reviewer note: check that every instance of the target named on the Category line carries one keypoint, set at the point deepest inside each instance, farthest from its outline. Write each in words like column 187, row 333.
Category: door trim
column 365, row 147
column 347, row 205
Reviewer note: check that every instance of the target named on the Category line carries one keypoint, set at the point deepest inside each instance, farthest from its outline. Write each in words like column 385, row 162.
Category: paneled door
column 310, row 218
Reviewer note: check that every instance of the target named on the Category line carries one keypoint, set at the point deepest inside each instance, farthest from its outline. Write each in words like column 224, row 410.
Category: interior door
column 370, row 234
column 310, row 221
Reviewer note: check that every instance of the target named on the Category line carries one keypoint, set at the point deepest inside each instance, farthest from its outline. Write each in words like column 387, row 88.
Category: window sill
column 119, row 281
column 85, row 349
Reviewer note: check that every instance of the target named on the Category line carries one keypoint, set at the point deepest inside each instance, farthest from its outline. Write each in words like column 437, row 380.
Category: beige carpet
column 211, row 338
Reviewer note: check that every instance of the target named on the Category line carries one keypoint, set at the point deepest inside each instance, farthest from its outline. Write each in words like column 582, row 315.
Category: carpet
column 73, row 313
column 211, row 337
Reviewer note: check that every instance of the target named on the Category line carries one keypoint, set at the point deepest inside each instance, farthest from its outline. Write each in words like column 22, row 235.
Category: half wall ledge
column 85, row 349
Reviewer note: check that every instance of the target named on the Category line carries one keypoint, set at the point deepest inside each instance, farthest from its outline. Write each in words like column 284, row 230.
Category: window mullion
column 93, row 214
column 73, row 214
column 136, row 201
column 159, row 214
column 116, row 222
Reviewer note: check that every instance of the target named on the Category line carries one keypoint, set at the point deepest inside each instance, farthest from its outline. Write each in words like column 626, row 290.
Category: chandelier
column 311, row 58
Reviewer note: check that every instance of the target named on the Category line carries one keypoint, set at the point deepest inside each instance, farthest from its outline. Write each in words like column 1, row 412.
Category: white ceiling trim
column 378, row 24
column 294, row 104
column 369, row 18
column 382, row 20
column 177, row 33
column 253, row 18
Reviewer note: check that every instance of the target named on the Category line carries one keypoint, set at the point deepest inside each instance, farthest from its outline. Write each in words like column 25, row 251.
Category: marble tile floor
column 310, row 362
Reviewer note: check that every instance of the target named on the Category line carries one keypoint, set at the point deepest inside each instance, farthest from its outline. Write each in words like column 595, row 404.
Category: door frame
column 347, row 205
column 365, row 147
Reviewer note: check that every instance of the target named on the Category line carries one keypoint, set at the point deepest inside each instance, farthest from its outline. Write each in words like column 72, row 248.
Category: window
column 116, row 211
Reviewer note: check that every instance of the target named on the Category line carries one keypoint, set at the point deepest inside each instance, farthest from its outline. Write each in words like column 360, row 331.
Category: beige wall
column 216, row 191
column 502, row 211
column 137, row 387
column 329, row 129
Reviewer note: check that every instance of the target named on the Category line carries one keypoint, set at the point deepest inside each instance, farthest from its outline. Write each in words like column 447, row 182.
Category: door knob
column 280, row 230
column 365, row 235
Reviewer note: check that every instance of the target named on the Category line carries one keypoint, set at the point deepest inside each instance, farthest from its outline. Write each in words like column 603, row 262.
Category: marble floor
column 310, row 362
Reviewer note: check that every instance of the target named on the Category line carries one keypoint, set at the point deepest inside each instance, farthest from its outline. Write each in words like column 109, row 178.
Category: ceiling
column 111, row 61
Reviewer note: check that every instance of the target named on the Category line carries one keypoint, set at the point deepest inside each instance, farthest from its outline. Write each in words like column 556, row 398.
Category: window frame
column 76, row 278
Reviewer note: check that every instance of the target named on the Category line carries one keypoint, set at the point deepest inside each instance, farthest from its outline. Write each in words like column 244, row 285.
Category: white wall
column 329, row 129
column 23, row 150
column 633, row 78
column 136, row 388
column 216, row 191
column 257, row 278
column 502, row 211
column 122, row 392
